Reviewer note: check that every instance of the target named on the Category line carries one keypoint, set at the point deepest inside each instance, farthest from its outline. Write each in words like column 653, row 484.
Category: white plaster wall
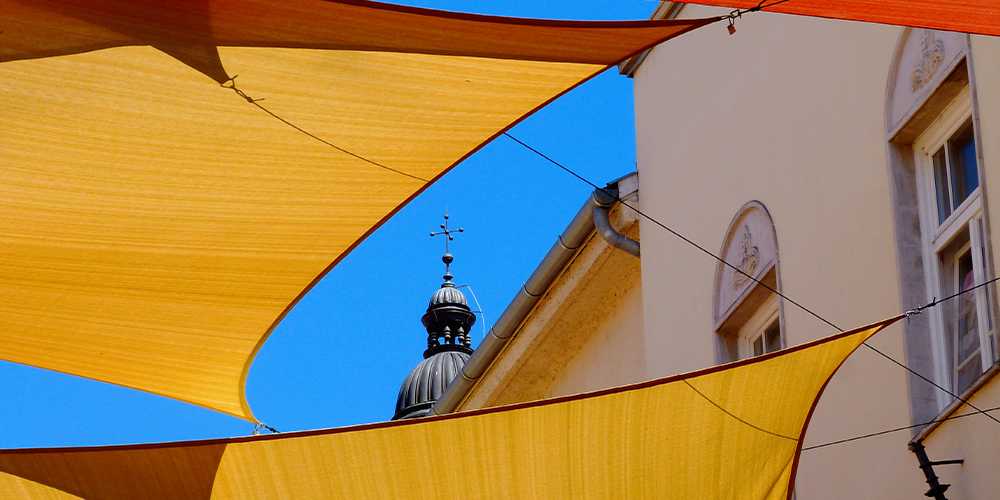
column 789, row 111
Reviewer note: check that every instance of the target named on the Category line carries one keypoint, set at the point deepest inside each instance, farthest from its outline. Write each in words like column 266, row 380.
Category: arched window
column 747, row 315
column 941, row 225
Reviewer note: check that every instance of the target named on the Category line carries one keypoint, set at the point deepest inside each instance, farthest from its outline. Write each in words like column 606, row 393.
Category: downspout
column 593, row 215
column 603, row 200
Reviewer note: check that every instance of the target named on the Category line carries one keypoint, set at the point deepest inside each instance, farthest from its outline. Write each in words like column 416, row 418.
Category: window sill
column 967, row 395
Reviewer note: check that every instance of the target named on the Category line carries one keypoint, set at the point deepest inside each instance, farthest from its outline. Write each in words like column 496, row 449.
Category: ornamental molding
column 932, row 55
column 748, row 260
column 750, row 245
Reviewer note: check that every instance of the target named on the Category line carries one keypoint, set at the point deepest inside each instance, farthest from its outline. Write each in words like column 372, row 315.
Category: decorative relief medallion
column 932, row 51
column 751, row 246
column 749, row 259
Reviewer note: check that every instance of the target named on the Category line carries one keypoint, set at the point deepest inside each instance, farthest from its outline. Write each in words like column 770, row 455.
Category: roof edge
column 665, row 10
column 566, row 246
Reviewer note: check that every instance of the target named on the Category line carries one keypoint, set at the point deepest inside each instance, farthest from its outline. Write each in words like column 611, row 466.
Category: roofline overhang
column 579, row 231
column 665, row 10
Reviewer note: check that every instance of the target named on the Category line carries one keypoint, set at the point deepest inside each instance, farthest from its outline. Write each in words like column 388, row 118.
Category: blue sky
column 339, row 356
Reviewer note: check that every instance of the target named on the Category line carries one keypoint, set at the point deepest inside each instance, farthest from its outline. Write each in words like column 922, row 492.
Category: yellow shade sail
column 729, row 432
column 155, row 226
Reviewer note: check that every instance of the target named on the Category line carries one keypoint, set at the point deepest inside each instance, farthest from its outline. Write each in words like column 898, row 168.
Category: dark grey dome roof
column 427, row 382
column 447, row 295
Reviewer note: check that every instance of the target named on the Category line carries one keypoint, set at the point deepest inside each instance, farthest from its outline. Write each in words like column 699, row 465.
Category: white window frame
column 755, row 326
column 936, row 237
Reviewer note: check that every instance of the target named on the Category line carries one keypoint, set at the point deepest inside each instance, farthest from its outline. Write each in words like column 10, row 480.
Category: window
column 769, row 340
column 954, row 246
column 746, row 311
column 956, row 174
column 761, row 333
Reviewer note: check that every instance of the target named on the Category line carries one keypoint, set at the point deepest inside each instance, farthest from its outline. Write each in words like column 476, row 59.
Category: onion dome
column 448, row 321
column 427, row 382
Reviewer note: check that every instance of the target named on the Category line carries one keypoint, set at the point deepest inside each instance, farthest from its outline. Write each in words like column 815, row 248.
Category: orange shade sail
column 729, row 432
column 155, row 226
column 968, row 16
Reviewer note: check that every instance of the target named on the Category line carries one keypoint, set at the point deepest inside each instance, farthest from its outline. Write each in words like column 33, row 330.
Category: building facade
column 846, row 165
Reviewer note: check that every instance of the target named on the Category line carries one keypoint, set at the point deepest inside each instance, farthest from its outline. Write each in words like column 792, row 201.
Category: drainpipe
column 593, row 215
column 603, row 200
column 937, row 489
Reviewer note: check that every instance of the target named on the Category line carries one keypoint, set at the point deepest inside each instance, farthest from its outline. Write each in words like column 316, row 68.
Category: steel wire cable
column 897, row 429
column 708, row 252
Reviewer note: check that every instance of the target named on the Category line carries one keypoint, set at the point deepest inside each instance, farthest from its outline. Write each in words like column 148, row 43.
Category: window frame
column 766, row 315
column 937, row 237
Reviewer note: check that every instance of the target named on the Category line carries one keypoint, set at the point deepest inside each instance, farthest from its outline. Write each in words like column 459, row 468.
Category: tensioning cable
column 708, row 252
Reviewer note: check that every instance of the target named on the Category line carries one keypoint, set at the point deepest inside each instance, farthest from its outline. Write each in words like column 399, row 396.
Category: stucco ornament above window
column 751, row 246
column 749, row 260
column 925, row 60
column 933, row 56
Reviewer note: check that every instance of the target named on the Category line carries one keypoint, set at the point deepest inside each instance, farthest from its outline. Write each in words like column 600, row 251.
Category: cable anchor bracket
column 919, row 310
column 731, row 18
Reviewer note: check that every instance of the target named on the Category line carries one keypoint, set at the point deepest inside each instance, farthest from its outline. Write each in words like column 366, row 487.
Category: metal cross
column 447, row 258
column 447, row 232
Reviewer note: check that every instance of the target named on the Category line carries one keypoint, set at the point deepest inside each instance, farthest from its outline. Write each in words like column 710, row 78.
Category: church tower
column 448, row 321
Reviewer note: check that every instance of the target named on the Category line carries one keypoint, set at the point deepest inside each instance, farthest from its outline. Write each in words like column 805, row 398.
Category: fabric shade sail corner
column 155, row 226
column 980, row 17
column 687, row 436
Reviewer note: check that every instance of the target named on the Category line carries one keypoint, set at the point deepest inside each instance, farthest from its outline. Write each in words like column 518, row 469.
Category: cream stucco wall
column 585, row 333
column 613, row 355
column 986, row 73
column 789, row 111
column 974, row 439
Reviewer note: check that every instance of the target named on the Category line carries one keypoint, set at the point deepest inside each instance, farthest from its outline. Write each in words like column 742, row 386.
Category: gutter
column 603, row 201
column 592, row 217
column 956, row 404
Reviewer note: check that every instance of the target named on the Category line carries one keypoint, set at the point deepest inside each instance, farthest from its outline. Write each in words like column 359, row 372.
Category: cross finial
column 449, row 235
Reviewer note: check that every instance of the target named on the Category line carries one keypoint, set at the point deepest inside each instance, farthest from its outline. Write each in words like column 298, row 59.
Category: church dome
column 448, row 295
column 427, row 382
column 448, row 321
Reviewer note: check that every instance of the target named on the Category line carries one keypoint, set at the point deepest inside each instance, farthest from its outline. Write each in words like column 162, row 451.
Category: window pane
column 968, row 328
column 772, row 337
column 964, row 170
column 941, row 186
column 758, row 346
column 968, row 373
